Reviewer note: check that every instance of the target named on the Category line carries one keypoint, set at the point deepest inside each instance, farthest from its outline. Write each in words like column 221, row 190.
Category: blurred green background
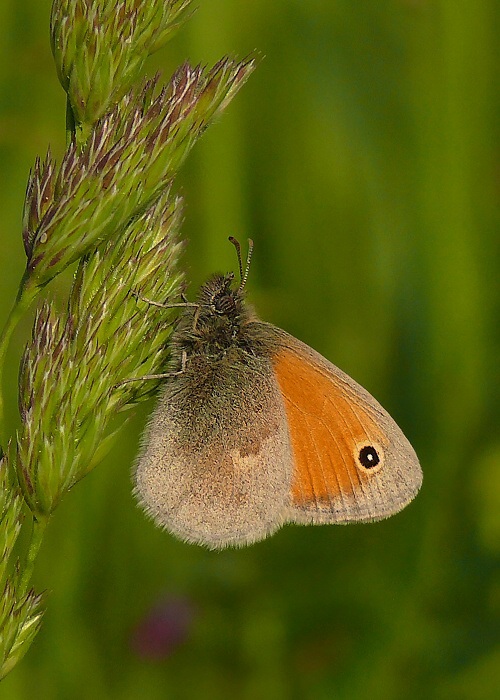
column 363, row 159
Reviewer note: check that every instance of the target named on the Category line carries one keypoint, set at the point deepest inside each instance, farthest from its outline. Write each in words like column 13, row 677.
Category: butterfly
column 254, row 429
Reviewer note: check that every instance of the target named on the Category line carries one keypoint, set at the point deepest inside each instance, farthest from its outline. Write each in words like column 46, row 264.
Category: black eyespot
column 369, row 457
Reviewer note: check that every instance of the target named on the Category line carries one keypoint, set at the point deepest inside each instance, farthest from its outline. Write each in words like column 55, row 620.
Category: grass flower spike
column 110, row 209
column 105, row 336
column 20, row 609
column 100, row 47
column 130, row 157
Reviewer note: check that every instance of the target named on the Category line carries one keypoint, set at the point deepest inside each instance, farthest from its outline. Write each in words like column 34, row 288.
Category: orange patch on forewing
column 326, row 425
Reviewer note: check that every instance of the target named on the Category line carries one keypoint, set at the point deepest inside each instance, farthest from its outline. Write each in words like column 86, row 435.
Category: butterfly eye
column 225, row 304
column 370, row 457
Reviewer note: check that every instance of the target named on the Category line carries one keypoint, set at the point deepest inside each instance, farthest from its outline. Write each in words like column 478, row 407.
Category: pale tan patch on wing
column 327, row 427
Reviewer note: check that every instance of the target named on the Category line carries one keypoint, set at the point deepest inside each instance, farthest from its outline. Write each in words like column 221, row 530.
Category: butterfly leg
column 164, row 375
column 160, row 305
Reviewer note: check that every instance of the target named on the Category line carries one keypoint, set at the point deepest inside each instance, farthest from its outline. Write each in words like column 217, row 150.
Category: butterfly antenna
column 243, row 275
column 247, row 267
column 236, row 244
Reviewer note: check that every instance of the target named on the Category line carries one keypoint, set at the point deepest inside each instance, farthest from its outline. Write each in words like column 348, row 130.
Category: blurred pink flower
column 164, row 628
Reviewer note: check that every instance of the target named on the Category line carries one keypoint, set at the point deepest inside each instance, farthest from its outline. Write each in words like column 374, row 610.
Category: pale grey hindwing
column 215, row 466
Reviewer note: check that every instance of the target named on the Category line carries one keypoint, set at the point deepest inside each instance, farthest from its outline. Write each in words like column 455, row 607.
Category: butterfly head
column 218, row 297
column 220, row 314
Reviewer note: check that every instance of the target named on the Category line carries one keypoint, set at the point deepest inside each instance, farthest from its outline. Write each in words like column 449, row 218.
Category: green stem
column 24, row 299
column 37, row 532
column 70, row 122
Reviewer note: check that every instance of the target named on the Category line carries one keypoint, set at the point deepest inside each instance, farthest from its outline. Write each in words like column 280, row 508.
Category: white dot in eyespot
column 369, row 457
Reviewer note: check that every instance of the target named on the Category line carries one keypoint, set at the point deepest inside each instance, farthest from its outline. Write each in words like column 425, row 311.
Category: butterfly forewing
column 351, row 461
